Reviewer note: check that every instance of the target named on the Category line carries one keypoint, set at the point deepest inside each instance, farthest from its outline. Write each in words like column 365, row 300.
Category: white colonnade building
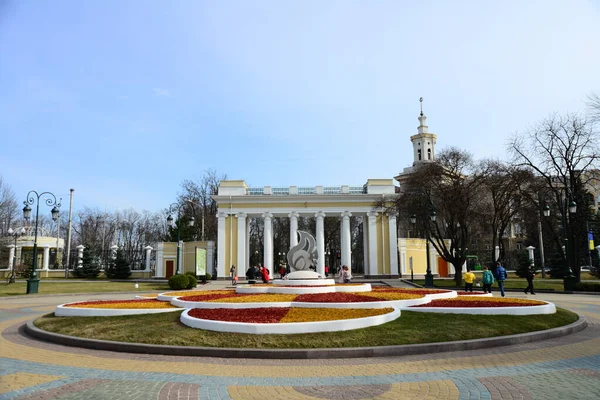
column 237, row 203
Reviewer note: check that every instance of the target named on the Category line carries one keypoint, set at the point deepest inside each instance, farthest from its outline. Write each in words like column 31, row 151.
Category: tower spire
column 421, row 101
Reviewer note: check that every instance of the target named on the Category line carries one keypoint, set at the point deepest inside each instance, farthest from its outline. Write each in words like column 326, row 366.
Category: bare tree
column 562, row 150
column 593, row 104
column 8, row 207
column 502, row 193
column 450, row 188
column 205, row 207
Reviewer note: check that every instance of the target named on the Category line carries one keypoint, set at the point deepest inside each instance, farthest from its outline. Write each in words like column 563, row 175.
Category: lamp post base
column 32, row 285
column 429, row 280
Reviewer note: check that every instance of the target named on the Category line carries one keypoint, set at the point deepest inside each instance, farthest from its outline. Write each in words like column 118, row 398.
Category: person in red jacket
column 265, row 274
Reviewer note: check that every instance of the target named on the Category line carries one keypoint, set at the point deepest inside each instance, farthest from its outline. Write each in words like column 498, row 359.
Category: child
column 469, row 279
column 487, row 280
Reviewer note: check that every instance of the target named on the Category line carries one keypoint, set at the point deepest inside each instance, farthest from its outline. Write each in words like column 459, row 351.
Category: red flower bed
column 410, row 291
column 269, row 315
column 334, row 298
column 207, row 297
column 457, row 303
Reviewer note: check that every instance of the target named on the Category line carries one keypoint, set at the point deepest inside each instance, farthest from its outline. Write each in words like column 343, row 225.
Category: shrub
column 118, row 268
column 588, row 287
column 90, row 266
column 208, row 276
column 178, row 282
column 22, row 271
column 192, row 280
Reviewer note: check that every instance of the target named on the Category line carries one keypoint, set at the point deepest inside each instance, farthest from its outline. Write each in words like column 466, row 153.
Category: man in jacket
column 501, row 275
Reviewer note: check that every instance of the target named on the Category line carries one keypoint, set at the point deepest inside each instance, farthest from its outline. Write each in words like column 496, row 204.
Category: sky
column 123, row 100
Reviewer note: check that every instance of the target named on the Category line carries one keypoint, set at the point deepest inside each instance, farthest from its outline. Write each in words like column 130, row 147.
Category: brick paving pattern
column 562, row 368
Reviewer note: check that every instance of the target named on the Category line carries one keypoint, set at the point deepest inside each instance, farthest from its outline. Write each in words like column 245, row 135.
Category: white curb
column 290, row 327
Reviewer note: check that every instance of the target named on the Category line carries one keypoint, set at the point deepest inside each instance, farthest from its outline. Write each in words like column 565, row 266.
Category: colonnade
column 381, row 248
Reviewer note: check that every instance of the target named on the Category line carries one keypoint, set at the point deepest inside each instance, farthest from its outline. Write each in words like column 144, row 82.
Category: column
column 365, row 247
column 46, row 261
column 148, row 250
column 268, row 239
column 320, row 243
column 19, row 251
column 210, row 256
column 372, row 221
column 346, row 248
column 158, row 269
column 241, row 248
column 221, row 251
column 80, row 254
column 393, row 232
column 293, row 228
column 11, row 255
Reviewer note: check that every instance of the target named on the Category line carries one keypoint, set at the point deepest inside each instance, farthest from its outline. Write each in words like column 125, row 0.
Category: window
column 429, row 154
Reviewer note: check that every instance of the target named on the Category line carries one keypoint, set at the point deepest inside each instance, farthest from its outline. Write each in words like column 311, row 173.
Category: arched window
column 429, row 154
column 419, row 153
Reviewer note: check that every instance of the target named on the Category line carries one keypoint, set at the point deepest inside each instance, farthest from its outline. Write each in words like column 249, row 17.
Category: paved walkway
column 564, row 368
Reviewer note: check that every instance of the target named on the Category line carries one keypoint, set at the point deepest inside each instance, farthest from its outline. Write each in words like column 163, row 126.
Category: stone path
column 564, row 368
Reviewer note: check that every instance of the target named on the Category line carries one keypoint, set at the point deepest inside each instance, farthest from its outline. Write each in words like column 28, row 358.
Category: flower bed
column 167, row 296
column 489, row 305
column 475, row 301
column 273, row 315
column 107, row 308
column 286, row 320
column 299, row 289
column 121, row 304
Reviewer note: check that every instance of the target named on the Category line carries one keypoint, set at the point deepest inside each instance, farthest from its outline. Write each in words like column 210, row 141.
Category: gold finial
column 421, row 101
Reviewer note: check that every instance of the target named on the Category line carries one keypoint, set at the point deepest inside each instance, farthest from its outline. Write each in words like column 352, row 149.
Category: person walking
column 530, row 275
column 233, row 275
column 501, row 277
column 469, row 280
column 487, row 279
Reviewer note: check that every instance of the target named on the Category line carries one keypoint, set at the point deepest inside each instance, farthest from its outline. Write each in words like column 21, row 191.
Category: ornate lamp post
column 171, row 222
column 432, row 218
column 16, row 235
column 33, row 197
column 570, row 206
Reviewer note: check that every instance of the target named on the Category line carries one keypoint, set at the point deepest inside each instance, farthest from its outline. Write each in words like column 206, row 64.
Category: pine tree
column 90, row 267
column 119, row 267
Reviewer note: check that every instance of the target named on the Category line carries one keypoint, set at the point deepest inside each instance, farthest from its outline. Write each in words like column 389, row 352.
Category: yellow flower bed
column 137, row 304
column 499, row 300
column 389, row 296
column 331, row 314
column 258, row 298
column 197, row 292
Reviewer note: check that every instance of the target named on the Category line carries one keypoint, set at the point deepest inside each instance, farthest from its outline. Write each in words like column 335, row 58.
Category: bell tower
column 424, row 141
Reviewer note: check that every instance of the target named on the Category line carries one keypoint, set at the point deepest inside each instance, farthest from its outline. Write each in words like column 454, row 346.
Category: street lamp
column 171, row 222
column 432, row 218
column 33, row 282
column 569, row 280
column 16, row 235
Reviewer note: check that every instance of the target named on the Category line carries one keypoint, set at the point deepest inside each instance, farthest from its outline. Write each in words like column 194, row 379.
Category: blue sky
column 123, row 100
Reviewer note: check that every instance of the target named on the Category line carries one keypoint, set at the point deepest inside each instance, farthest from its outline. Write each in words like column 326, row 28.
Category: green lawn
column 73, row 286
column 410, row 328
